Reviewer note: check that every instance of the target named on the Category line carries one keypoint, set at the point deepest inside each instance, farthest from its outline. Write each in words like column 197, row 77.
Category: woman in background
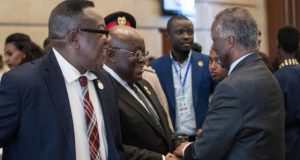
column 20, row 49
column 216, row 71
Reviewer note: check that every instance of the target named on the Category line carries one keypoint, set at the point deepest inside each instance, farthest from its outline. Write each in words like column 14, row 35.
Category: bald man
column 144, row 125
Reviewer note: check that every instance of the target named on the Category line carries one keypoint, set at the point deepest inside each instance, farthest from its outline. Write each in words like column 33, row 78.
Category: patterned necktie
column 91, row 121
column 150, row 109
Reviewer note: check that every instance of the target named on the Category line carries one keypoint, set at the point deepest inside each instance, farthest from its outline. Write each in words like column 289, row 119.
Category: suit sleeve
column 135, row 153
column 221, row 126
column 9, row 108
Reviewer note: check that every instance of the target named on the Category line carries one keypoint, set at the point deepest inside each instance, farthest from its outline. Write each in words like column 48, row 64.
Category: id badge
column 181, row 104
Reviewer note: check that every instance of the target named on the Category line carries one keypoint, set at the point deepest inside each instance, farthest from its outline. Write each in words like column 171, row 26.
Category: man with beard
column 185, row 79
column 144, row 126
column 246, row 115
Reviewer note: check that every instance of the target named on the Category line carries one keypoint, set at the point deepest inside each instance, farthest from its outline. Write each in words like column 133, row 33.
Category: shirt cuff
column 163, row 157
column 185, row 148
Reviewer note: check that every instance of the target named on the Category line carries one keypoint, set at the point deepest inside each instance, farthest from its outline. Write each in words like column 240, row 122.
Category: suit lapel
column 169, row 85
column 150, row 94
column 125, row 96
column 57, row 88
column 196, row 74
column 104, row 105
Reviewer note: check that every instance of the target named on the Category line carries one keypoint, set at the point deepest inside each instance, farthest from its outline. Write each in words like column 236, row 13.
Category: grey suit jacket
column 142, row 139
column 245, row 120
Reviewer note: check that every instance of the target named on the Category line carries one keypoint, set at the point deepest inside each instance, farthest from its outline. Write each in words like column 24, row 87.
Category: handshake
column 178, row 153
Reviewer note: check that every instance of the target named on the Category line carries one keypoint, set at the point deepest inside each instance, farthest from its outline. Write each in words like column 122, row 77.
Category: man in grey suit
column 246, row 115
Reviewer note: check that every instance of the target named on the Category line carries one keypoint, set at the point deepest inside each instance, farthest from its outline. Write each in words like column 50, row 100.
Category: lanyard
column 182, row 82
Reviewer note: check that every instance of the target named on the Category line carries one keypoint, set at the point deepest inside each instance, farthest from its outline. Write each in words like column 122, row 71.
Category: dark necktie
column 150, row 109
column 91, row 121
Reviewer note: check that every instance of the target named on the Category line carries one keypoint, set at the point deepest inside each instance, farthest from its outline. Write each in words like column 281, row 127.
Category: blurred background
column 31, row 17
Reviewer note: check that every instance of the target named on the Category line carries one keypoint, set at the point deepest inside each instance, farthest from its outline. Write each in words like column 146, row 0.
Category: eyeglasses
column 99, row 31
column 138, row 53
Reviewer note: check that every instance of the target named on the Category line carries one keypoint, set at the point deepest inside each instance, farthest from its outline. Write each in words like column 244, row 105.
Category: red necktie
column 91, row 121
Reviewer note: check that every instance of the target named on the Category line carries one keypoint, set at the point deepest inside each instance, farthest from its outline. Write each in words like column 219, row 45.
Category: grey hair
column 238, row 23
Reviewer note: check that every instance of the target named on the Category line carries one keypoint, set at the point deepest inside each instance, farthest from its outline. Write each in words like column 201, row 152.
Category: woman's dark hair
column 23, row 43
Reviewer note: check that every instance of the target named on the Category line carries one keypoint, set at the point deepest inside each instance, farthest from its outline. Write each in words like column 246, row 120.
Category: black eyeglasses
column 138, row 53
column 100, row 31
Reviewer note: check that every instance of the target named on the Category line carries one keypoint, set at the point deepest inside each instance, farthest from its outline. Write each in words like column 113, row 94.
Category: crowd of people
column 91, row 94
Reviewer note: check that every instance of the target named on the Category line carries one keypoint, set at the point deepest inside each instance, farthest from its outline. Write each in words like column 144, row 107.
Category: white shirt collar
column 186, row 61
column 70, row 73
column 115, row 75
column 233, row 65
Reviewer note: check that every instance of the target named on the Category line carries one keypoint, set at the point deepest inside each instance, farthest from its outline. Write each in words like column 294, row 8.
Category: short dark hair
column 23, row 43
column 288, row 38
column 65, row 16
column 173, row 18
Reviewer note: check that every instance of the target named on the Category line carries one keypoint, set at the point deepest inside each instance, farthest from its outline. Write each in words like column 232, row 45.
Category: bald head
column 122, row 58
column 124, row 35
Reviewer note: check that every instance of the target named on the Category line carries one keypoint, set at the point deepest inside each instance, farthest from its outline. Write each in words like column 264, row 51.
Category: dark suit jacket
column 245, row 120
column 202, row 84
column 289, row 80
column 35, row 116
column 142, row 139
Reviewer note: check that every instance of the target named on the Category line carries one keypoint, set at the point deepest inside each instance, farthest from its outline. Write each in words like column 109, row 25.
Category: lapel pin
column 146, row 88
column 100, row 85
column 200, row 63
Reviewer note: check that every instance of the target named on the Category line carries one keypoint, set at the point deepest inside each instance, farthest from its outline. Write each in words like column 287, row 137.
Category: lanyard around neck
column 182, row 82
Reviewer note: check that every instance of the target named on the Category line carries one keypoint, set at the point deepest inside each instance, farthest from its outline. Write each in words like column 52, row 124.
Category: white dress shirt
column 185, row 115
column 71, row 77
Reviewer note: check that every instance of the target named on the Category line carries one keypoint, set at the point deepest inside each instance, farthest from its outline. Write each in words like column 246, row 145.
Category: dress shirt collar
column 70, row 73
column 184, row 62
column 115, row 75
column 234, row 64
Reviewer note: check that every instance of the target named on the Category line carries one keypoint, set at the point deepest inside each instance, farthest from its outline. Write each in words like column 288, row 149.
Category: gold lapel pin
column 100, row 85
column 200, row 63
column 146, row 88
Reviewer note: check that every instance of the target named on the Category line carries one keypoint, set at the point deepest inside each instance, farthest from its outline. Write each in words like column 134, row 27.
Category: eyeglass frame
column 138, row 53
column 99, row 31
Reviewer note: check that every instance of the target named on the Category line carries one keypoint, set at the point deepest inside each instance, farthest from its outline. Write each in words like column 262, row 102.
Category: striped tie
column 91, row 121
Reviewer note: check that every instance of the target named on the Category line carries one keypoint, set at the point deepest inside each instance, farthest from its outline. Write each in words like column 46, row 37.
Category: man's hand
column 198, row 132
column 171, row 156
column 179, row 150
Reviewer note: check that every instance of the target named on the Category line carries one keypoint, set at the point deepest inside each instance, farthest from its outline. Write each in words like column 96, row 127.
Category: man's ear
column 73, row 38
column 230, row 42
column 111, row 55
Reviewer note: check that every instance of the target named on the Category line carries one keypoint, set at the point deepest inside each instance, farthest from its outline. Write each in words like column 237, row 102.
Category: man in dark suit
column 246, row 115
column 144, row 126
column 185, row 78
column 288, row 76
column 43, row 113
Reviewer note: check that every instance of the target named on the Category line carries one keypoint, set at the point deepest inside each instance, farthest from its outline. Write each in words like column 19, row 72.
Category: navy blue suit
column 202, row 84
column 35, row 116
column 289, row 80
